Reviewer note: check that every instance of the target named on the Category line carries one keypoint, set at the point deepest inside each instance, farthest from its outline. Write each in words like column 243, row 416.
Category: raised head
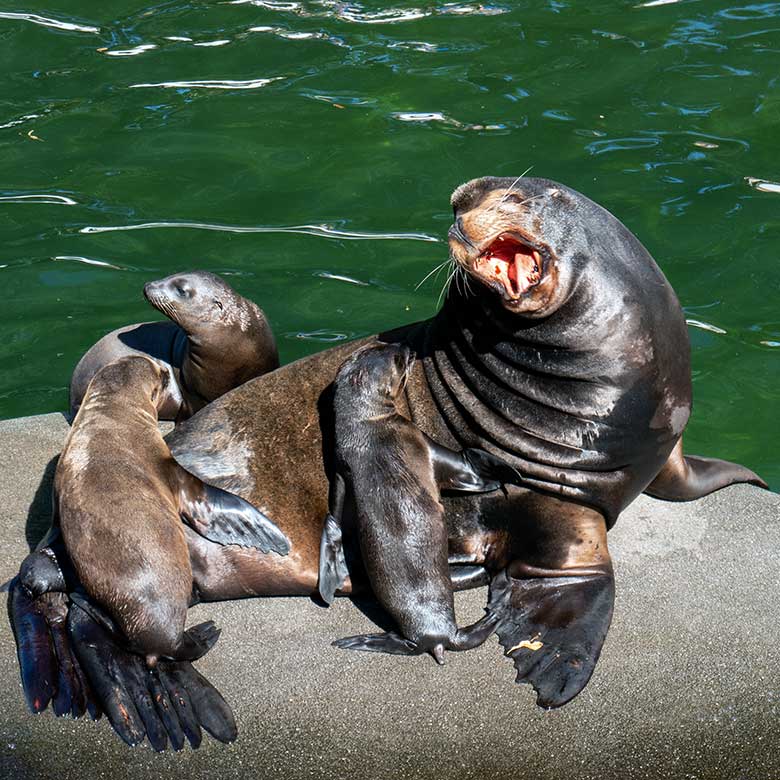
column 199, row 299
column 512, row 235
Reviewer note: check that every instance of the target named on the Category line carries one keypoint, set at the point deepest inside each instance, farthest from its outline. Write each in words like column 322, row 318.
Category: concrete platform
column 688, row 685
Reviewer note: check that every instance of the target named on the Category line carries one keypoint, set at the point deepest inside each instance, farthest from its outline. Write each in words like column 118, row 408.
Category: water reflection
column 340, row 278
column 88, row 261
column 45, row 21
column 60, row 200
column 212, row 84
column 323, row 231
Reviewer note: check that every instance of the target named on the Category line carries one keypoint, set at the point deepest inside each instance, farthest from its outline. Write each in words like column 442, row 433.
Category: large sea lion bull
column 563, row 351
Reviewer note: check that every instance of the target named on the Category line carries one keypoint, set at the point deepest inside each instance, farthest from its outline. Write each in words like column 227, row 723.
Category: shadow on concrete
column 39, row 513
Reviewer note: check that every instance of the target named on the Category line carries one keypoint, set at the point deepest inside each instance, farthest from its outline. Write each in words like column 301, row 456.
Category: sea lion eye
column 515, row 197
column 218, row 304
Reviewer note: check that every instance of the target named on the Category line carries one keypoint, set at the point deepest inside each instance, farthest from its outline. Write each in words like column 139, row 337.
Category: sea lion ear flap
column 226, row 518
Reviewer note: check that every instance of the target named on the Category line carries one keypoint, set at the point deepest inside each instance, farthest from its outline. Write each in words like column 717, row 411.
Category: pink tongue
column 514, row 271
column 520, row 271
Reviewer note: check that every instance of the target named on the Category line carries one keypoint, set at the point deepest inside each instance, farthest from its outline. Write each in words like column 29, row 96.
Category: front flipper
column 553, row 628
column 333, row 564
column 226, row 518
column 470, row 471
column 687, row 477
column 333, row 570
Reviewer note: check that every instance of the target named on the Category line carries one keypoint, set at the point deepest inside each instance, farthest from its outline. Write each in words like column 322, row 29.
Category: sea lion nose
column 458, row 233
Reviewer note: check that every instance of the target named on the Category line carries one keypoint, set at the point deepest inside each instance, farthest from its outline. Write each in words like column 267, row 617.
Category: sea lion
column 403, row 547
column 120, row 498
column 216, row 341
column 119, row 503
column 571, row 363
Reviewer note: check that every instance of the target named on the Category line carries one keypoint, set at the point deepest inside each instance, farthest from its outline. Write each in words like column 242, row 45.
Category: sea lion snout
column 499, row 237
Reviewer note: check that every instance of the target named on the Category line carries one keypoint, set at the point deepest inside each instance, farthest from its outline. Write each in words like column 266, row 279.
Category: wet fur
column 117, row 511
column 391, row 475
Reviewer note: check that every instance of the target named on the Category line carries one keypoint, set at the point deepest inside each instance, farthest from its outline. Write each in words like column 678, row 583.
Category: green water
column 363, row 119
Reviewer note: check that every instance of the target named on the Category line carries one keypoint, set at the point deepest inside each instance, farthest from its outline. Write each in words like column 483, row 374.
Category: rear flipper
column 393, row 643
column 193, row 644
column 165, row 704
column 226, row 518
column 553, row 628
column 197, row 641
column 687, row 477
column 50, row 673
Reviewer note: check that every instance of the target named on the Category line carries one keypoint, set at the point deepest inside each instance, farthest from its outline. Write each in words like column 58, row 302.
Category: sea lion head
column 514, row 236
column 376, row 371
column 133, row 378
column 198, row 299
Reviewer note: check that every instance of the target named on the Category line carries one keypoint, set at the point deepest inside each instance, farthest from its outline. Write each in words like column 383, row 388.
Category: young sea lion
column 120, row 499
column 216, row 341
column 404, row 547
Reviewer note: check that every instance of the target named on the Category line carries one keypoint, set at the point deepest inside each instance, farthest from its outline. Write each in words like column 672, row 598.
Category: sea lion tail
column 687, row 477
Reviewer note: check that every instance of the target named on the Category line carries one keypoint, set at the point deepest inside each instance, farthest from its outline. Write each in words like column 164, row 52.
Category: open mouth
column 513, row 265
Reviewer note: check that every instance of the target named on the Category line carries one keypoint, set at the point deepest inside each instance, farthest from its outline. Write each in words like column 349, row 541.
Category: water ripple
column 56, row 199
column 357, row 14
column 706, row 326
column 211, row 84
column 323, row 231
column 425, row 118
column 140, row 49
column 290, row 35
column 319, row 335
column 20, row 121
column 45, row 21
column 763, row 185
column 621, row 144
column 219, row 42
column 340, row 278
column 88, row 261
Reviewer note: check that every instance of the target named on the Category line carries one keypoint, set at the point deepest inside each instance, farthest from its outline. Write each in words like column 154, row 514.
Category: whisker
column 466, row 283
column 533, row 197
column 430, row 273
column 446, row 285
